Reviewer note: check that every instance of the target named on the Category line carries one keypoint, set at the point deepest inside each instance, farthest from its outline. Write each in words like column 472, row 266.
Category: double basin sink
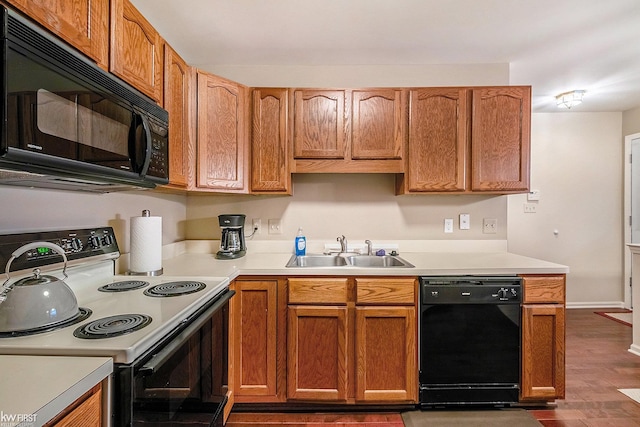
column 348, row 260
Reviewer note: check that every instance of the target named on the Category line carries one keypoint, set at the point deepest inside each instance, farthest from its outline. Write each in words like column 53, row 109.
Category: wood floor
column 597, row 365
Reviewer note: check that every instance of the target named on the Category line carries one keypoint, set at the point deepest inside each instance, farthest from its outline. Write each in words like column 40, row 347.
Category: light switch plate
column 465, row 221
column 533, row 195
column 275, row 227
column 448, row 225
column 490, row 226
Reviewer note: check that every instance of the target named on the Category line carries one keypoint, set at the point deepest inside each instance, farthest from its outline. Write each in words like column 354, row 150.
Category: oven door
column 181, row 382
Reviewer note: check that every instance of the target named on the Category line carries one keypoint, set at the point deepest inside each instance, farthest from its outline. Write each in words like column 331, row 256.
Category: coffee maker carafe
column 232, row 241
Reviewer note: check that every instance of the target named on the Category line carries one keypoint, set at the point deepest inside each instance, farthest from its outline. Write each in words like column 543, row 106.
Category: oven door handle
column 178, row 341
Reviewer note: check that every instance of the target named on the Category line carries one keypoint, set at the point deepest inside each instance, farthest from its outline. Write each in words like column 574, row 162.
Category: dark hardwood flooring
column 597, row 365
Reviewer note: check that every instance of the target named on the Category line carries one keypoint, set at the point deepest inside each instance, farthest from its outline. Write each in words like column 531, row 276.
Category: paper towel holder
column 145, row 213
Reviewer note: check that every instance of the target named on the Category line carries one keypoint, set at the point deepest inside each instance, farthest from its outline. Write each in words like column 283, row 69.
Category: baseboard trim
column 599, row 305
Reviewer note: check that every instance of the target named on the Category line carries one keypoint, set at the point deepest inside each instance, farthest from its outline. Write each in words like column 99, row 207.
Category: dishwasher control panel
column 470, row 290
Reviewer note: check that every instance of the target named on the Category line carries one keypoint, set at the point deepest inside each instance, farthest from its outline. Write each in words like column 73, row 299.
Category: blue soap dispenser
column 301, row 243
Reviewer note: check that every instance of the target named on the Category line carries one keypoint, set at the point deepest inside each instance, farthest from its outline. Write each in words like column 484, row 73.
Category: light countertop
column 34, row 389
column 197, row 258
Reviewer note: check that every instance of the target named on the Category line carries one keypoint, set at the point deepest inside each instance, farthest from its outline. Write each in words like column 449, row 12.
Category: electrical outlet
column 448, row 225
column 275, row 227
column 257, row 225
column 489, row 226
column 530, row 208
column 465, row 221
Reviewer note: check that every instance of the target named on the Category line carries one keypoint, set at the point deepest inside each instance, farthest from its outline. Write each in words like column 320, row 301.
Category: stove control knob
column 108, row 239
column 94, row 242
column 76, row 244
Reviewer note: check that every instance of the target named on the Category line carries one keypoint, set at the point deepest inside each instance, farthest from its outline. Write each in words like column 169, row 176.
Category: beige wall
column 631, row 122
column 38, row 209
column 364, row 75
column 577, row 165
column 360, row 206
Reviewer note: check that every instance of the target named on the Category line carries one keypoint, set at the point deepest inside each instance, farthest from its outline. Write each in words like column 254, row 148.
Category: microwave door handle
column 141, row 140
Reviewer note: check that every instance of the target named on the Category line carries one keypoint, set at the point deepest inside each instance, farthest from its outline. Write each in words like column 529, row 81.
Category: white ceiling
column 553, row 45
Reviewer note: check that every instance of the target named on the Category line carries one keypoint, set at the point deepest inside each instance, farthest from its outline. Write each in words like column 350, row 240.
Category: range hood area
column 63, row 182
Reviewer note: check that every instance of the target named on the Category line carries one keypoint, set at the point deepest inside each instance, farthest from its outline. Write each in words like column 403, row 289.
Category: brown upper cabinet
column 270, row 173
column 501, row 131
column 348, row 130
column 82, row 23
column 222, row 136
column 178, row 78
column 136, row 49
column 468, row 140
column 438, row 144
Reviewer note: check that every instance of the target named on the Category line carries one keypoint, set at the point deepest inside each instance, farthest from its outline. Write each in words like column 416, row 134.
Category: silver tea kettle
column 36, row 301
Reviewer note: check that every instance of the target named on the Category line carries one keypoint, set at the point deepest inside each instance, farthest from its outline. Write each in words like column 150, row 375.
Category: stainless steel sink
column 363, row 261
column 317, row 261
column 371, row 261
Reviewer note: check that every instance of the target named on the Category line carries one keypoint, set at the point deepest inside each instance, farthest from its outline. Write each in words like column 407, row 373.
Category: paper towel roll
column 145, row 257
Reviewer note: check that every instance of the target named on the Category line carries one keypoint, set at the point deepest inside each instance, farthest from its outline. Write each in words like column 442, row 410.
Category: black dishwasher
column 469, row 340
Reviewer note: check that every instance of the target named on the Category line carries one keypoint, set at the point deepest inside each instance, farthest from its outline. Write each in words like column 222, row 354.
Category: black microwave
column 68, row 124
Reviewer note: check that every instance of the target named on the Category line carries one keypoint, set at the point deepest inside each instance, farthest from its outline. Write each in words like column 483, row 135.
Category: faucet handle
column 369, row 247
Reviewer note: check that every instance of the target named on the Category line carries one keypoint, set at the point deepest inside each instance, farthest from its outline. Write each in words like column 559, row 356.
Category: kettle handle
column 35, row 245
column 5, row 288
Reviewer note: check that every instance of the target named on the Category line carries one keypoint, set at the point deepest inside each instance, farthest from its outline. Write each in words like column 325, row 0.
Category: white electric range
column 164, row 314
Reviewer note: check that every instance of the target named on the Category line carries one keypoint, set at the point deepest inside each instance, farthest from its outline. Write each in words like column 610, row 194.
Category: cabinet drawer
column 318, row 291
column 544, row 289
column 385, row 291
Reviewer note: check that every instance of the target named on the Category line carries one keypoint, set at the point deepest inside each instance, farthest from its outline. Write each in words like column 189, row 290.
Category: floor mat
column 633, row 393
column 624, row 317
column 471, row 418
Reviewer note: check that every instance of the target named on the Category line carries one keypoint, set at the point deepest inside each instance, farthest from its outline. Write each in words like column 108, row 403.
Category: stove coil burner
column 83, row 314
column 112, row 326
column 127, row 285
column 172, row 289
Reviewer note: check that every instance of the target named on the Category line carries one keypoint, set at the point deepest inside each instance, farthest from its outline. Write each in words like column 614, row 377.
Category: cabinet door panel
column 543, row 336
column 501, row 132
column 317, row 353
column 378, row 124
column 269, row 144
column 254, row 325
column 386, row 360
column 438, row 139
column 318, row 124
column 82, row 23
column 221, row 134
column 136, row 49
column 177, row 82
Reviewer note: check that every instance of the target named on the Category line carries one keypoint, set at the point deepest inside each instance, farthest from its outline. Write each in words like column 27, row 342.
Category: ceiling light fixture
column 569, row 99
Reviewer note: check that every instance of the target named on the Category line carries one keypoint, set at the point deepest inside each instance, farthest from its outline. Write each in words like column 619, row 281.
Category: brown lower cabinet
column 353, row 340
column 543, row 338
column 258, row 339
column 85, row 411
column 340, row 340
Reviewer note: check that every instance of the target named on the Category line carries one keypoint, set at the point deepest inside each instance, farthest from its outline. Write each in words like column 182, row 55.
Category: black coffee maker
column 232, row 241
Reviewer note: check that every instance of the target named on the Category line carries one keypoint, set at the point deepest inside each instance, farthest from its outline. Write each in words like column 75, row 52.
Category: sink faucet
column 343, row 243
column 369, row 247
